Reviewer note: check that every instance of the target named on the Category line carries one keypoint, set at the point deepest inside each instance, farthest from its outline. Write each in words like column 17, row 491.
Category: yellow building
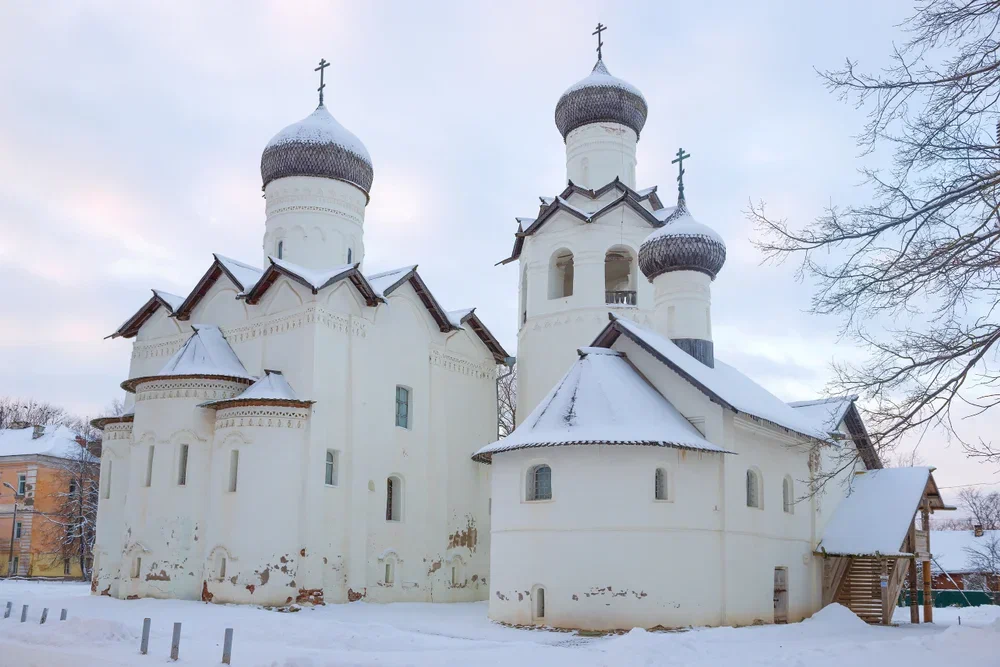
column 41, row 468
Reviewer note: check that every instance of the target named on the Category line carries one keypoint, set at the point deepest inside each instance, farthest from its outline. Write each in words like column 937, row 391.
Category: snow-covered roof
column 246, row 276
column 601, row 77
column 320, row 127
column 205, row 354
column 950, row 548
column 457, row 317
column 385, row 280
column 826, row 413
column 876, row 516
column 131, row 326
column 602, row 400
column 56, row 440
column 271, row 388
column 172, row 300
column 723, row 383
column 681, row 225
column 315, row 279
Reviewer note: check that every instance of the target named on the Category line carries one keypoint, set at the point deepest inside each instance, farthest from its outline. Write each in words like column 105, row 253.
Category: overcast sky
column 131, row 133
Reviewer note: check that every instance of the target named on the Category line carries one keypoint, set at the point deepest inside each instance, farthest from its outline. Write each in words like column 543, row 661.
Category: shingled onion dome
column 682, row 244
column 601, row 98
column 318, row 146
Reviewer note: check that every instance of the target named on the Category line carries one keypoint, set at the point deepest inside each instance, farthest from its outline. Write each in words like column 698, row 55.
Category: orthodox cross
column 322, row 66
column 679, row 161
column 600, row 28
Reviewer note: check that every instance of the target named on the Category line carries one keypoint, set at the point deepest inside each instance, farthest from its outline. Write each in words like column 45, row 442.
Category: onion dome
column 599, row 98
column 319, row 146
column 682, row 244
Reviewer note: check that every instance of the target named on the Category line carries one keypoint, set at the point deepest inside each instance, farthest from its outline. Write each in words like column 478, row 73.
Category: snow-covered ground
column 103, row 631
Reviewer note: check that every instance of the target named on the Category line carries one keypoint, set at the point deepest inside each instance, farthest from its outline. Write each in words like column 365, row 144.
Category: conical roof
column 318, row 146
column 205, row 354
column 271, row 389
column 601, row 97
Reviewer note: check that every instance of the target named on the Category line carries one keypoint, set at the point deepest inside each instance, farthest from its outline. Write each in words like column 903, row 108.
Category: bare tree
column 73, row 518
column 980, row 509
column 984, row 561
column 29, row 411
column 923, row 255
column 506, row 399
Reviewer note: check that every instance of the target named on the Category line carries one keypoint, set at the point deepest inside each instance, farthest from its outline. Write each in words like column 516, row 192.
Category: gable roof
column 271, row 389
column 602, row 400
column 56, row 440
column 723, row 384
column 828, row 413
column 204, row 354
column 314, row 280
column 160, row 299
column 467, row 317
column 951, row 548
column 876, row 516
column 629, row 198
column 243, row 276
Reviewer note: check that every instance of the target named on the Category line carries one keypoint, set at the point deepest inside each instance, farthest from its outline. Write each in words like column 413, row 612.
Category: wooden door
column 781, row 595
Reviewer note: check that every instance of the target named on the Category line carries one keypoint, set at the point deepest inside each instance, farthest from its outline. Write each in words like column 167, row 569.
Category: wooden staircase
column 860, row 589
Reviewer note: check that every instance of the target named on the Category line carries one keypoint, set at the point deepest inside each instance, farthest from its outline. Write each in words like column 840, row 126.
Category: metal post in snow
column 6, row 613
column 24, row 613
column 144, row 645
column 227, row 647
column 62, row 615
column 45, row 615
column 175, row 642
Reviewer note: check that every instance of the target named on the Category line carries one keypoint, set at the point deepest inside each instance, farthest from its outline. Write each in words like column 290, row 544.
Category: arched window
column 619, row 276
column 539, row 486
column 393, row 499
column 561, row 274
column 787, row 495
column 660, row 489
column 538, row 596
column 350, row 255
column 754, row 497
column 281, row 249
column 332, row 456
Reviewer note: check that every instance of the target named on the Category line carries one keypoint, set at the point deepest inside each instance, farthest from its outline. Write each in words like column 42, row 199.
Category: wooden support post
column 227, row 647
column 45, row 615
column 24, row 613
column 925, row 516
column 914, row 607
column 144, row 644
column 175, row 642
column 62, row 615
column 883, row 586
column 6, row 613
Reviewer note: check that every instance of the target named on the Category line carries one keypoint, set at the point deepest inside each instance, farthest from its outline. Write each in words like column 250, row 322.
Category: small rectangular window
column 332, row 463
column 17, row 530
column 22, row 484
column 107, row 481
column 234, row 467
column 402, row 407
column 136, row 567
column 182, row 466
column 149, row 465
column 388, row 574
column 66, row 566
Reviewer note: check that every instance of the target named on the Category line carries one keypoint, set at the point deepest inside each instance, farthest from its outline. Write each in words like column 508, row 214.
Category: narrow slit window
column 393, row 499
column 787, row 495
column 389, row 574
column 234, row 469
column 281, row 249
column 402, row 407
column 136, row 567
column 660, row 484
column 182, row 466
column 107, row 482
column 330, row 474
column 149, row 464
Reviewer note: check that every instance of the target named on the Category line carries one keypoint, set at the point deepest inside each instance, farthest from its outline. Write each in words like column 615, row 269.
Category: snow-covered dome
column 682, row 244
column 317, row 145
column 600, row 97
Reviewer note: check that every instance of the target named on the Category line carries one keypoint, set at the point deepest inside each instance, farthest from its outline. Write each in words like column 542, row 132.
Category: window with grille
column 539, row 483
column 330, row 474
column 660, row 484
column 753, row 489
column 393, row 499
column 182, row 466
column 402, row 407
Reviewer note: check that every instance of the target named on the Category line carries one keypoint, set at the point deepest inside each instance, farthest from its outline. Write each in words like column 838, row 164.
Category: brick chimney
column 37, row 431
column 977, row 530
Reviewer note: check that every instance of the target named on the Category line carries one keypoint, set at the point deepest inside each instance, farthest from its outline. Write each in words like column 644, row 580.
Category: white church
column 307, row 432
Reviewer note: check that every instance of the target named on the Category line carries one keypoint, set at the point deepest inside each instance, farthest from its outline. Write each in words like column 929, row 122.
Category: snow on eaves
column 172, row 300
column 876, row 516
column 826, row 413
column 320, row 127
column 381, row 282
column 602, row 400
column 56, row 440
column 600, row 77
column 457, row 317
column 206, row 352
column 246, row 276
column 315, row 279
column 271, row 387
column 678, row 222
column 724, row 382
